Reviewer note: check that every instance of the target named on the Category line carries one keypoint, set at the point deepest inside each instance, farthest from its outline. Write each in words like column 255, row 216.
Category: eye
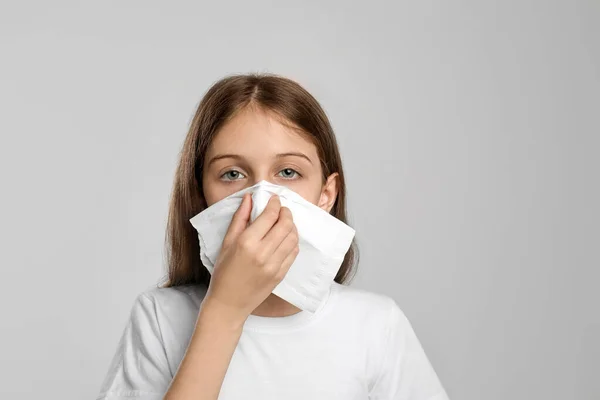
column 232, row 175
column 288, row 173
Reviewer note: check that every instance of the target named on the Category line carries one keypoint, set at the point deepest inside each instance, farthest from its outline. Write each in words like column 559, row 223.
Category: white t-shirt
column 357, row 346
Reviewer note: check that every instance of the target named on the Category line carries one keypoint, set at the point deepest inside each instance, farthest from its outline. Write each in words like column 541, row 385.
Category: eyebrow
column 222, row 156
column 294, row 154
column 238, row 157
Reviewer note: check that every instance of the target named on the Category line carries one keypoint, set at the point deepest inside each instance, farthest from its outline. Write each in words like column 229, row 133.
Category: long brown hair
column 222, row 101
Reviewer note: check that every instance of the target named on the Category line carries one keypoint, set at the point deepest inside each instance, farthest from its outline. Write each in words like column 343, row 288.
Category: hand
column 253, row 259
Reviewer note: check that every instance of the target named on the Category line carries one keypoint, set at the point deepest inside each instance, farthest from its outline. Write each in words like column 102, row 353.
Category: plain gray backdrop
column 469, row 132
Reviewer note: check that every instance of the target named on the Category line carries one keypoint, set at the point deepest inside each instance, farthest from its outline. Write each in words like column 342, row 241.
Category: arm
column 213, row 342
column 252, row 262
column 140, row 369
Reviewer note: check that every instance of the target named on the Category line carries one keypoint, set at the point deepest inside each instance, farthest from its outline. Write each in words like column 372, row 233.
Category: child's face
column 254, row 146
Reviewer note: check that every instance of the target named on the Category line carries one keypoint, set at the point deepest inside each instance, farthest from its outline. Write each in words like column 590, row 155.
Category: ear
column 329, row 192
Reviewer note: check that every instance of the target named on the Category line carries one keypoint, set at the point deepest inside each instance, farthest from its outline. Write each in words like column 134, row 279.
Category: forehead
column 256, row 133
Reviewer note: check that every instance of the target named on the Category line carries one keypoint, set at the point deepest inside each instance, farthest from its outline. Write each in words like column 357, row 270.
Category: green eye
column 288, row 173
column 232, row 175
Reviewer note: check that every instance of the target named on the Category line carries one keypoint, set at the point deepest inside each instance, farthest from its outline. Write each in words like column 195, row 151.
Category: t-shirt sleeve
column 139, row 370
column 405, row 372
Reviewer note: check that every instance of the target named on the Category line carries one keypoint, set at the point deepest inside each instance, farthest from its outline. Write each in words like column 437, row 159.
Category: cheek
column 214, row 190
column 310, row 193
column 208, row 198
column 217, row 191
column 212, row 194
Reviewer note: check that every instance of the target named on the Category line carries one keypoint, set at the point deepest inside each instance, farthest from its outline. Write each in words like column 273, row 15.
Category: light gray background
column 470, row 136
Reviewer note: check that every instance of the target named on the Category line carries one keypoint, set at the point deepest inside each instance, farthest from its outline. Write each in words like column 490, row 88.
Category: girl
column 227, row 336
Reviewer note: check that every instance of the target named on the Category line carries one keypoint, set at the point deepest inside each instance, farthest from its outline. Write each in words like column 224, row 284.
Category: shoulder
column 395, row 361
column 191, row 295
column 170, row 309
column 363, row 302
column 372, row 312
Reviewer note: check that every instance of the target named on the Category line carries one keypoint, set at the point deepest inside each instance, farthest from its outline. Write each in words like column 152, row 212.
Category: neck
column 274, row 306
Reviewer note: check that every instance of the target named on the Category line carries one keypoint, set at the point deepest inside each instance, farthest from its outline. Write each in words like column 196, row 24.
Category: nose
column 260, row 178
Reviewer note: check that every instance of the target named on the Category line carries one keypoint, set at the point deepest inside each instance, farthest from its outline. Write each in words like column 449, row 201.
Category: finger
column 286, row 247
column 265, row 221
column 279, row 231
column 239, row 220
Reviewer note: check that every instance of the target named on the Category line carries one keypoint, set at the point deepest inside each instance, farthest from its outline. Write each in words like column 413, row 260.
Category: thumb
column 240, row 220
